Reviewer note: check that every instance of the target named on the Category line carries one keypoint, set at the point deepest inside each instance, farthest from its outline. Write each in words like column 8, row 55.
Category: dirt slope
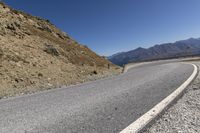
column 35, row 55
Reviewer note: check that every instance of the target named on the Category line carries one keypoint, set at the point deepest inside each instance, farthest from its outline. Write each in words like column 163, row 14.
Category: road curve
column 102, row 106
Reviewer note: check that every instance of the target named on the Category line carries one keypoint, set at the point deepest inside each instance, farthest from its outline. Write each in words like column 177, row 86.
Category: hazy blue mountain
column 163, row 51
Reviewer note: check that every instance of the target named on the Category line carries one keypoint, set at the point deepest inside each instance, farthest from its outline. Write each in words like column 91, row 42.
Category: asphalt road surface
column 102, row 106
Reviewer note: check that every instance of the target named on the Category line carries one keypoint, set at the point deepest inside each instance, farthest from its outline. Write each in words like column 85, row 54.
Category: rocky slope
column 169, row 50
column 35, row 55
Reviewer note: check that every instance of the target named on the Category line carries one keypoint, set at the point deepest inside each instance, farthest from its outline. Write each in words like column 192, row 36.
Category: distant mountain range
column 181, row 48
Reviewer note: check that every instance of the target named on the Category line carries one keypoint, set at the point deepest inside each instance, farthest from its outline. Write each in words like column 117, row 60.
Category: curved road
column 102, row 106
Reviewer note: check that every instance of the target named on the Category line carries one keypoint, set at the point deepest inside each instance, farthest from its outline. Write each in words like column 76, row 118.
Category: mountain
column 35, row 55
column 181, row 48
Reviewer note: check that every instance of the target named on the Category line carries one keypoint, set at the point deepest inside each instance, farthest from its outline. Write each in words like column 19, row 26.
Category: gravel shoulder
column 184, row 115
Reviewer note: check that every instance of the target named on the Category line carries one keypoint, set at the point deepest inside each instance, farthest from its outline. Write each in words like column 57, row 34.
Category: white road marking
column 145, row 119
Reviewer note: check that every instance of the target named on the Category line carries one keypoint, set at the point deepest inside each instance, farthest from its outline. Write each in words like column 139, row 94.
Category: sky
column 111, row 26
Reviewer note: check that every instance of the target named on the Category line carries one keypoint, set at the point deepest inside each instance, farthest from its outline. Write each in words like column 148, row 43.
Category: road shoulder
column 184, row 115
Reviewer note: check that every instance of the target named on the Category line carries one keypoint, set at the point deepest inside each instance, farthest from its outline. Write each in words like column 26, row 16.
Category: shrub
column 50, row 49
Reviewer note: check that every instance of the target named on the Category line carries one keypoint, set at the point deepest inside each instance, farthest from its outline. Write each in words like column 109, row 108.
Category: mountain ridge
column 188, row 47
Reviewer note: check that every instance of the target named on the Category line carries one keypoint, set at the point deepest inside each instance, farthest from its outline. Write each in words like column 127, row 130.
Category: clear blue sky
column 110, row 26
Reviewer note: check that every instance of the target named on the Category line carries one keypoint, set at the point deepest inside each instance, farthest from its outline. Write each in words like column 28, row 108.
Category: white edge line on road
column 145, row 119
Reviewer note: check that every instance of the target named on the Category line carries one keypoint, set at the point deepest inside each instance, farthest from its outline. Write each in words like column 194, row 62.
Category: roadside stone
column 32, row 82
column 17, row 80
column 40, row 75
column 49, row 84
column 195, row 88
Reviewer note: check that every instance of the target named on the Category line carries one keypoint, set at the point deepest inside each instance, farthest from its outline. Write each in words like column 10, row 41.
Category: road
column 102, row 106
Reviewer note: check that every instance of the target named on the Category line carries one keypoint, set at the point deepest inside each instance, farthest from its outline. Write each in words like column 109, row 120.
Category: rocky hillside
column 164, row 51
column 35, row 55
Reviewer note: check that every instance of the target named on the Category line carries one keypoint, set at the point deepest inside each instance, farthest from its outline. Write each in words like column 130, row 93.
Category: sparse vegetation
column 50, row 49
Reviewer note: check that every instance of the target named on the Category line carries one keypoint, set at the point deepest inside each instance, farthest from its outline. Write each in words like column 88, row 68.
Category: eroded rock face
column 35, row 55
